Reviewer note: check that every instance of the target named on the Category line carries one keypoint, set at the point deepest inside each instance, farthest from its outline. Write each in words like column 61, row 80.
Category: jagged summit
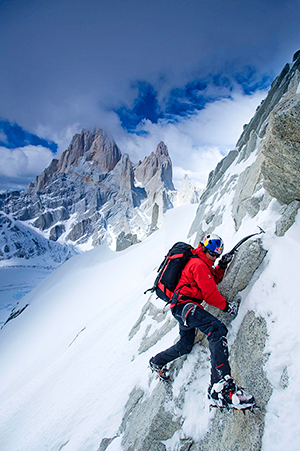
column 88, row 152
column 157, row 168
column 98, row 148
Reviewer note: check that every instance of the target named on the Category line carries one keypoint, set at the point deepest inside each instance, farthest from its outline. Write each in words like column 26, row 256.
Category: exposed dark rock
column 124, row 241
column 79, row 230
column 235, row 431
column 296, row 55
column 155, row 213
column 44, row 221
column 278, row 88
column 15, row 313
column 146, row 423
column 56, row 232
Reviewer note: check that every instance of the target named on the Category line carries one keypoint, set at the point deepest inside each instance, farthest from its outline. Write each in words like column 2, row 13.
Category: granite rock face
column 237, row 431
column 281, row 149
column 155, row 169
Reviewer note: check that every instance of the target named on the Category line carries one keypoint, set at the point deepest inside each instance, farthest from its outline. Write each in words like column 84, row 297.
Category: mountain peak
column 156, row 169
column 162, row 149
column 98, row 147
column 92, row 149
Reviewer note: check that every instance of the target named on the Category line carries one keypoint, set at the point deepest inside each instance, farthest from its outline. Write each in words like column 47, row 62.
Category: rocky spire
column 156, row 169
column 97, row 148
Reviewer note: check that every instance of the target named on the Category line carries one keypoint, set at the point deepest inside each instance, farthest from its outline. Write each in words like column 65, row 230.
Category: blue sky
column 13, row 136
column 189, row 73
column 186, row 100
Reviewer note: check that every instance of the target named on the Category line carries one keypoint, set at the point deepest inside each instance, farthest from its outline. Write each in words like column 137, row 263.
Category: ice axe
column 233, row 250
column 226, row 259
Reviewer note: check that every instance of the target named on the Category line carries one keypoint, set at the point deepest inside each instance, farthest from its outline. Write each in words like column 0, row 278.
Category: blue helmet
column 213, row 244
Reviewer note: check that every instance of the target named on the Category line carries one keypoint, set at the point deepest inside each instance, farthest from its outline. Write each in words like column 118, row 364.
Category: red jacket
column 199, row 272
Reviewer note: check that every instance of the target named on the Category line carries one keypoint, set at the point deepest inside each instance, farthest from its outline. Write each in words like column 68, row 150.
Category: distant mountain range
column 91, row 195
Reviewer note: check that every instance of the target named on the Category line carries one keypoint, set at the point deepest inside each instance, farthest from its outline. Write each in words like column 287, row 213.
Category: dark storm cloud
column 53, row 52
column 68, row 64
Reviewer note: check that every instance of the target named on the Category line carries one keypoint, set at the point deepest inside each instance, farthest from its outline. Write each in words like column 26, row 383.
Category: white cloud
column 61, row 137
column 195, row 143
column 3, row 137
column 24, row 162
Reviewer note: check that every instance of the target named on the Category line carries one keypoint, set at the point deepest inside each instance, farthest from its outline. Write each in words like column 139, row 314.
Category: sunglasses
column 213, row 254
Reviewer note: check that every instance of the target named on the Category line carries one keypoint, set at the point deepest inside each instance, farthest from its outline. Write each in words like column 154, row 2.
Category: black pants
column 215, row 331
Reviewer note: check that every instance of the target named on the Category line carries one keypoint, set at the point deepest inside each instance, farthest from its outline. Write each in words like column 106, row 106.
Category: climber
column 198, row 282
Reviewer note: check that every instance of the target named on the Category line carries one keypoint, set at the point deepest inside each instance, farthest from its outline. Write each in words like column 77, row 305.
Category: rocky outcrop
column 18, row 241
column 154, row 173
column 287, row 218
column 238, row 431
column 239, row 274
column 155, row 170
column 146, row 423
column 281, row 149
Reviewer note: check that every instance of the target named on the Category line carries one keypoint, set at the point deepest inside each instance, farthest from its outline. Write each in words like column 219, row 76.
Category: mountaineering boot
column 159, row 370
column 227, row 394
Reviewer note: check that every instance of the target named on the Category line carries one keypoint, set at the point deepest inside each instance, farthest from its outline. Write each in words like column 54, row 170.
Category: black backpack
column 170, row 271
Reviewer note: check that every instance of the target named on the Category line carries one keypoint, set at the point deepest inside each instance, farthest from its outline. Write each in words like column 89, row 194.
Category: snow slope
column 67, row 365
column 66, row 362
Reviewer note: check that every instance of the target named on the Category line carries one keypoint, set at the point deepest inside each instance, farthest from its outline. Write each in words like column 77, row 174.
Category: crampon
column 161, row 372
column 227, row 395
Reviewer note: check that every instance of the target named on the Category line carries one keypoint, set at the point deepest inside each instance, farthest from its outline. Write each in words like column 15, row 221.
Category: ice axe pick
column 233, row 250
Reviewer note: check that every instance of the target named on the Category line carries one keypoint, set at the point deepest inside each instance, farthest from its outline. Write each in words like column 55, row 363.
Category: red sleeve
column 206, row 282
column 218, row 274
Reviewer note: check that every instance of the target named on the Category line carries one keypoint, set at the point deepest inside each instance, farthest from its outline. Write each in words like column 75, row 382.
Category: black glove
column 227, row 308
column 233, row 307
column 225, row 260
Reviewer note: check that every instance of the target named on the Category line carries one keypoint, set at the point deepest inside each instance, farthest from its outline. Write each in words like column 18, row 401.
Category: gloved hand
column 233, row 307
column 225, row 260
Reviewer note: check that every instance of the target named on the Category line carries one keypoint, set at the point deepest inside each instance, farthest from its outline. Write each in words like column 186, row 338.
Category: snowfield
column 67, row 365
